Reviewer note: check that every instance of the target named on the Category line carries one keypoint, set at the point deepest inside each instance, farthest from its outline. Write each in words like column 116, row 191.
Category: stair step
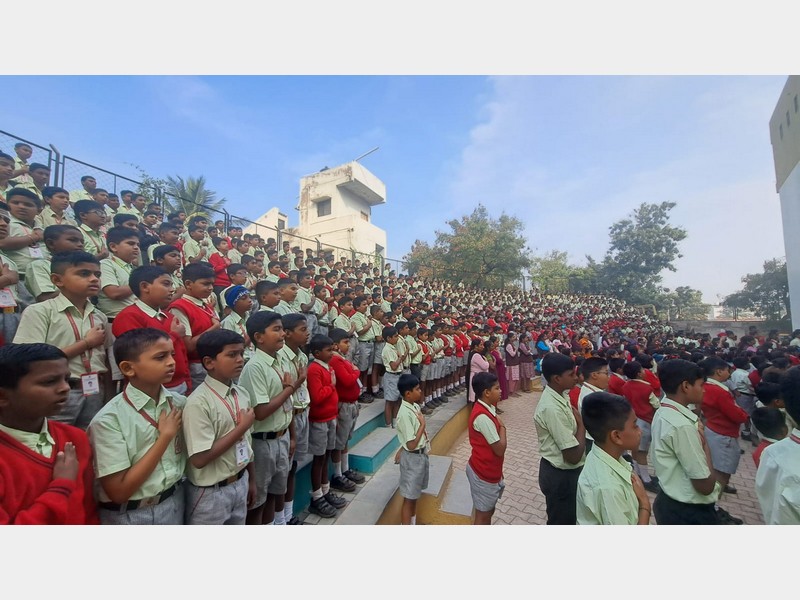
column 457, row 497
column 369, row 454
column 439, row 468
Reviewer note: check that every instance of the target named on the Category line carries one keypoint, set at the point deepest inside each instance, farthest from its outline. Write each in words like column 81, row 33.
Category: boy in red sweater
column 322, row 425
column 348, row 388
column 771, row 424
column 617, row 380
column 153, row 289
column 487, row 437
column 641, row 396
column 723, row 420
column 46, row 474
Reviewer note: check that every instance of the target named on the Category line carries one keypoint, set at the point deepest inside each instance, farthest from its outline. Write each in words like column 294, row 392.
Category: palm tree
column 191, row 196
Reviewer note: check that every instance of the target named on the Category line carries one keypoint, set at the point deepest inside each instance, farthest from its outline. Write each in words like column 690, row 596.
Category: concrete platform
column 457, row 497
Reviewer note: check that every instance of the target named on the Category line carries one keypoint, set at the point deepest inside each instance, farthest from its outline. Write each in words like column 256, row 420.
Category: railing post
column 58, row 170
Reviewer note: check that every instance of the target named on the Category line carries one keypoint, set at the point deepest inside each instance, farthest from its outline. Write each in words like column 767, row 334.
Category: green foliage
column 766, row 293
column 685, row 303
column 191, row 196
column 478, row 250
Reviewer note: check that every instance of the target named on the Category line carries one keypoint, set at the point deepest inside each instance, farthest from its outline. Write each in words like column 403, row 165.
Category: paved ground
column 522, row 502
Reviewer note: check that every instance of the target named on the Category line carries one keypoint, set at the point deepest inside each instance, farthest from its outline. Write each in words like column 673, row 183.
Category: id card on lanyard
column 287, row 404
column 90, row 381
column 242, row 452
column 153, row 422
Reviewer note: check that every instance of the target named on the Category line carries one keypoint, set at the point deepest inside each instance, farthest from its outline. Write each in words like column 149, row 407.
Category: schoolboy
column 270, row 388
column 425, row 374
column 594, row 371
column 11, row 304
column 167, row 236
column 778, row 475
column 216, row 424
column 115, row 293
column 562, row 440
column 169, row 258
column 348, row 389
column 641, row 396
column 23, row 243
column 239, row 248
column 323, row 409
column 6, row 171
column 295, row 362
column 20, row 164
column 343, row 321
column 138, row 447
column 126, row 220
column 57, row 239
column 771, row 426
column 414, row 448
column 617, row 379
column 56, row 201
column 238, row 299
column 488, row 442
column 193, row 250
column 723, row 419
column 609, row 492
column 237, row 275
column 91, row 217
column 40, row 176
column 88, row 185
column 321, row 309
column 366, row 341
column 393, row 363
column 152, row 287
column 70, row 322
column 274, row 270
column 46, row 469
column 268, row 294
column 377, row 369
column 288, row 292
column 414, row 357
column 195, row 314
column 679, row 452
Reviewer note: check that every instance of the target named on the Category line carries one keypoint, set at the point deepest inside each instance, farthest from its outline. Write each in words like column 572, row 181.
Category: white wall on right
column 790, row 212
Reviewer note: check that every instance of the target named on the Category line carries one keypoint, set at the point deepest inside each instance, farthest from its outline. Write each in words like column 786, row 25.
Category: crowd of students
column 204, row 363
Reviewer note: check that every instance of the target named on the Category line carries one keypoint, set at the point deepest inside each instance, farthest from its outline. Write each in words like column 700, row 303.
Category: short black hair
column 81, row 207
column 264, row 286
column 162, row 251
column 259, row 321
column 198, row 270
column 673, row 372
column 51, row 190
column 53, row 232
column 117, row 235
column 741, row 362
column 164, row 227
column 359, row 300
column 144, row 274
column 61, row 260
column 234, row 268
column 388, row 332
column 615, row 364
column 292, row 320
column 555, row 364
column 319, row 342
column 18, row 191
column 712, row 364
column 211, row 343
column 593, row 364
column 768, row 392
column 631, row 369
column 130, row 345
column 337, row 335
column 790, row 391
column 603, row 412
column 482, row 382
column 17, row 360
column 770, row 422
column 121, row 218
column 406, row 383
column 85, row 177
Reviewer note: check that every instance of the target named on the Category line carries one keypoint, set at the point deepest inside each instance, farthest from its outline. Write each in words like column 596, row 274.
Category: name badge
column 7, row 299
column 90, row 384
column 36, row 251
column 242, row 453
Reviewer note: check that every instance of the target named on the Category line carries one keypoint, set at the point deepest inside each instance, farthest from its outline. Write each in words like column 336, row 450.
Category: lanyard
column 141, row 411
column 85, row 357
column 234, row 415
column 794, row 438
column 98, row 241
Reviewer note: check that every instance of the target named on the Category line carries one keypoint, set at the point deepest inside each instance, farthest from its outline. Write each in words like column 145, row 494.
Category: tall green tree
column 685, row 303
column 477, row 250
column 766, row 293
column 641, row 247
column 190, row 195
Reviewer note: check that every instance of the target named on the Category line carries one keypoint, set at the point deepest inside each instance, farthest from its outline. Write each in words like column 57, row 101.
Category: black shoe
column 434, row 403
column 746, row 436
column 334, row 500
column 444, row 399
column 321, row 507
column 654, row 479
column 652, row 486
column 426, row 410
column 378, row 394
column 366, row 399
column 354, row 476
column 339, row 482
column 295, row 521
column 725, row 518
column 729, row 489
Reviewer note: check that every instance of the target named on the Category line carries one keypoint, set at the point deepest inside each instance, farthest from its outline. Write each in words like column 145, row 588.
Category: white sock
column 345, row 461
column 428, row 399
column 394, row 422
column 288, row 511
column 337, row 468
column 414, row 520
column 463, row 380
column 316, row 494
column 375, row 389
column 279, row 519
column 326, row 487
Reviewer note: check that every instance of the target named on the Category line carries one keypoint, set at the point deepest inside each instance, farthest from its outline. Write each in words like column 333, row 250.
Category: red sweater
column 324, row 404
column 723, row 415
column 346, row 379
column 574, row 395
column 28, row 493
column 653, row 380
column 133, row 317
column 200, row 319
column 220, row 264
column 758, row 451
column 615, row 383
column 486, row 464
column 638, row 394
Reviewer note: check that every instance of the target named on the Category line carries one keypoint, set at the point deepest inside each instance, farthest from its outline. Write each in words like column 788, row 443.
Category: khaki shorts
column 346, row 423
column 414, row 473
column 484, row 494
column 271, row 459
column 321, row 437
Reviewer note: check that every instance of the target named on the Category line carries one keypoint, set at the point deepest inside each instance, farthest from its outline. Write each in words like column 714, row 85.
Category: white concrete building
column 784, row 132
column 269, row 223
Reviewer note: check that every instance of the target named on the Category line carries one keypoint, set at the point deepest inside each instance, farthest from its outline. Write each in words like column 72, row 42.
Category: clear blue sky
column 568, row 155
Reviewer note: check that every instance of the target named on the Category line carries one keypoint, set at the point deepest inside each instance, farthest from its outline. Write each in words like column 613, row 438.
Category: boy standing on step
column 413, row 454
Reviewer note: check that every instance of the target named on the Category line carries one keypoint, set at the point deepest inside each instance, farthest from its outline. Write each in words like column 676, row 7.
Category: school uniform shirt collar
column 680, row 408
column 139, row 399
column 560, row 398
column 290, row 354
column 121, row 263
column 412, row 406
column 88, row 229
column 717, row 383
column 197, row 301
column 591, row 387
column 620, row 466
column 323, row 364
column 488, row 407
column 63, row 304
column 41, row 439
column 264, row 357
column 219, row 387
column 617, row 375
column 153, row 313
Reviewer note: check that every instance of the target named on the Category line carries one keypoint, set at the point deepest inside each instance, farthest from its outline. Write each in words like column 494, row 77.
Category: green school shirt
column 484, row 425
column 605, row 492
column 261, row 377
column 295, row 361
column 408, row 425
column 556, row 428
column 113, row 271
column 42, row 442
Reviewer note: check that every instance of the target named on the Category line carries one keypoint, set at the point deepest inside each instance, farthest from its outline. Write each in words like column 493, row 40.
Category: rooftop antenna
column 366, row 154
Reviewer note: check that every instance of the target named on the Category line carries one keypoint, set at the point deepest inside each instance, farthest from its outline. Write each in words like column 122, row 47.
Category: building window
column 365, row 216
column 324, row 208
column 281, row 224
column 795, row 103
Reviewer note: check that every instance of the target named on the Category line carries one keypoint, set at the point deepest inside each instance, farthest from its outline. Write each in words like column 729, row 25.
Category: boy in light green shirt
column 609, row 492
column 115, row 293
column 57, row 238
